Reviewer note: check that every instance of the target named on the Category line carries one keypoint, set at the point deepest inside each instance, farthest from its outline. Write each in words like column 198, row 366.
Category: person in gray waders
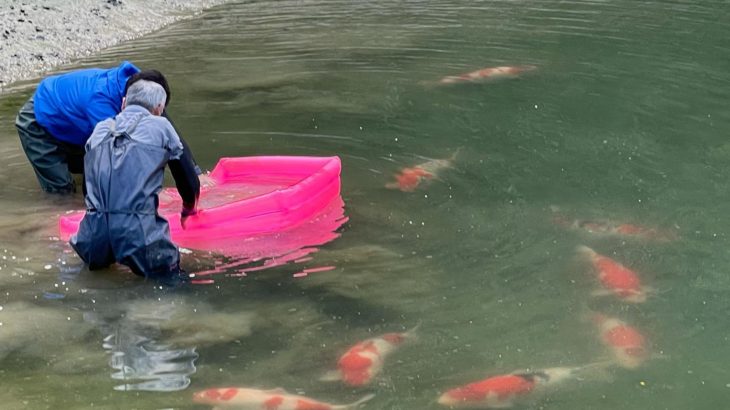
column 124, row 168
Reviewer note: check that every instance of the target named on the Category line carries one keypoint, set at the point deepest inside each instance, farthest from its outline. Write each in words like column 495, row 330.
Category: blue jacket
column 70, row 105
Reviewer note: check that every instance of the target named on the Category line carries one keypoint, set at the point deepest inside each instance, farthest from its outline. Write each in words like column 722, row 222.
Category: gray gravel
column 36, row 36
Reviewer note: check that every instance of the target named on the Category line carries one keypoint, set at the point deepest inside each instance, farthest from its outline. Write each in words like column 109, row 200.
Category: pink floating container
column 251, row 196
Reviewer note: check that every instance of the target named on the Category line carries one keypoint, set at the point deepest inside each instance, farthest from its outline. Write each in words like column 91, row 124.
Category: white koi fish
column 489, row 73
column 240, row 398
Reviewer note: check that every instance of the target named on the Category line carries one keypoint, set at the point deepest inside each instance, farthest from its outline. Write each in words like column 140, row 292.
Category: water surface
column 625, row 119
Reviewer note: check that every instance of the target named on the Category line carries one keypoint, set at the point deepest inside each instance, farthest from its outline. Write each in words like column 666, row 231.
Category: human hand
column 184, row 216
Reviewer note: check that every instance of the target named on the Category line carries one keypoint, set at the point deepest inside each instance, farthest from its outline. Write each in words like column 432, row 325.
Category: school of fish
column 364, row 361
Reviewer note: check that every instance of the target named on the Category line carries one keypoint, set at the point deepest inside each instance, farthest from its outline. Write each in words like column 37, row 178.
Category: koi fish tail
column 331, row 376
column 599, row 365
column 597, row 371
column 585, row 251
column 452, row 79
column 355, row 404
column 392, row 185
column 456, row 153
column 648, row 290
column 412, row 331
column 555, row 375
column 527, row 68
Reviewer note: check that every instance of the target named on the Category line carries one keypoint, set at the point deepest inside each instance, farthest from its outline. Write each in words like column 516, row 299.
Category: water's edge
column 36, row 39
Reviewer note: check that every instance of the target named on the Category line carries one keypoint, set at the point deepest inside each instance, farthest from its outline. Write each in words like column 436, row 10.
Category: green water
column 624, row 119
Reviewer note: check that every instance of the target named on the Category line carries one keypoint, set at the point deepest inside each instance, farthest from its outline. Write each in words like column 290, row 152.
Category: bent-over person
column 124, row 169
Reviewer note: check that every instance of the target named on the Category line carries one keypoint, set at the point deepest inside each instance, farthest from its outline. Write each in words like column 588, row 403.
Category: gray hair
column 148, row 94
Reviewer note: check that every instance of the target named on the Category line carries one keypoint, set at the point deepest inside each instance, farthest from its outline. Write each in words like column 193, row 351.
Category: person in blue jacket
column 58, row 119
column 125, row 165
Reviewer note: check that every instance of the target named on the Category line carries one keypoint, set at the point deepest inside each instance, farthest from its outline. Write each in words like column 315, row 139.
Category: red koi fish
column 501, row 391
column 365, row 360
column 410, row 178
column 489, row 73
column 239, row 398
column 615, row 277
column 628, row 346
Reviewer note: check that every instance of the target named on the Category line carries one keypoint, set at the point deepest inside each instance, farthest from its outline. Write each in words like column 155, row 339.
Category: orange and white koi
column 628, row 345
column 365, row 360
column 615, row 277
column 410, row 178
column 489, row 73
column 241, row 398
column 501, row 391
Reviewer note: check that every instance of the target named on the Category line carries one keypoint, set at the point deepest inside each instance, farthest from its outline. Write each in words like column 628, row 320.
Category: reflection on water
column 616, row 142
column 140, row 359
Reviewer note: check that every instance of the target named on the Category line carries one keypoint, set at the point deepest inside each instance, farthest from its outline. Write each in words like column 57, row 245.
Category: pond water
column 623, row 121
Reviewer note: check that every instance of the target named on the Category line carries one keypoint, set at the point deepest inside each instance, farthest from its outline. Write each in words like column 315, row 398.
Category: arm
column 186, row 180
column 183, row 170
column 186, row 149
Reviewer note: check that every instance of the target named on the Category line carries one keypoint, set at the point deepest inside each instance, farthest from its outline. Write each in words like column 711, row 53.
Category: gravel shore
column 36, row 36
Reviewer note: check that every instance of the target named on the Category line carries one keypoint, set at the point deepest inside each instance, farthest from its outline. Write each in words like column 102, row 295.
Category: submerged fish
column 241, row 398
column 365, row 360
column 489, row 73
column 502, row 390
column 410, row 178
column 615, row 277
column 612, row 228
column 628, row 345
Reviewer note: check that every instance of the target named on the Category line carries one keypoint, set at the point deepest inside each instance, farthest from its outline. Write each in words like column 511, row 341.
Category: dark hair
column 150, row 75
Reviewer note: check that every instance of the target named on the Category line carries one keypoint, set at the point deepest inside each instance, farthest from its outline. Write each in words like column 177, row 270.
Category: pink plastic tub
column 251, row 195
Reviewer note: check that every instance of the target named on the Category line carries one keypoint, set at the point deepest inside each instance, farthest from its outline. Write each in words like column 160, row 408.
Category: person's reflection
column 147, row 365
column 138, row 355
column 152, row 335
